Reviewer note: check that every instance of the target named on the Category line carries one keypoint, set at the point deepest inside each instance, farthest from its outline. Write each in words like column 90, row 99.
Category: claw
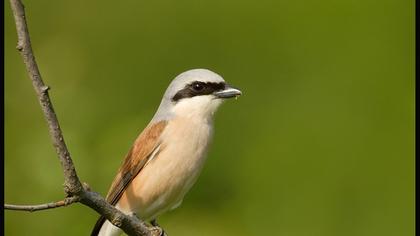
column 156, row 227
column 158, row 231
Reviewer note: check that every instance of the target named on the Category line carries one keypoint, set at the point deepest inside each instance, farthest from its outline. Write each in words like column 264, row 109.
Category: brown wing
column 137, row 157
column 139, row 154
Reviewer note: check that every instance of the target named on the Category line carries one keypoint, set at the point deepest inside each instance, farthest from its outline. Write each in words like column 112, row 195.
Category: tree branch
column 75, row 190
column 72, row 184
column 32, row 208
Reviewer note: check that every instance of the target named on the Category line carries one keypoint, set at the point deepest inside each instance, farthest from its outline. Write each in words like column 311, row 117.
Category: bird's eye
column 197, row 86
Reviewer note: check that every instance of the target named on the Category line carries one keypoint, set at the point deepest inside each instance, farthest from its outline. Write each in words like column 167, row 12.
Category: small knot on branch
column 45, row 88
column 19, row 47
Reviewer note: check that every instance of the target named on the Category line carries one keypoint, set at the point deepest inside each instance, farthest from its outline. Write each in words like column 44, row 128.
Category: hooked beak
column 228, row 92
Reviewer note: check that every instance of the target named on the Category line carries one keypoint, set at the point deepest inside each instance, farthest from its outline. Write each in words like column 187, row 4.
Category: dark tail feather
column 98, row 226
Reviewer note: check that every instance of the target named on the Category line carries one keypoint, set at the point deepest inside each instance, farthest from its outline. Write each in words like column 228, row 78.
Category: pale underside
column 164, row 162
column 170, row 173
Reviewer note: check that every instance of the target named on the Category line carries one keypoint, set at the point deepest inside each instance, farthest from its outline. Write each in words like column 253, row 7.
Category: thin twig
column 71, row 181
column 72, row 185
column 40, row 207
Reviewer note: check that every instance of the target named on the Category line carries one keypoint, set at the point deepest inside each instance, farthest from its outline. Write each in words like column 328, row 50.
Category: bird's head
column 195, row 93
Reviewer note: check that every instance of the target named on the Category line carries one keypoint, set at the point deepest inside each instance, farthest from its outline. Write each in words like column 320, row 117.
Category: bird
column 167, row 157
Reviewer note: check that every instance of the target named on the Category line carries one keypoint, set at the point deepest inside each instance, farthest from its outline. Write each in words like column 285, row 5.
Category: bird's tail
column 105, row 228
column 98, row 226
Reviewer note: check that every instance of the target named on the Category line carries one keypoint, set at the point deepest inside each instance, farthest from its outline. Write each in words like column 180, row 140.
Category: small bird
column 167, row 157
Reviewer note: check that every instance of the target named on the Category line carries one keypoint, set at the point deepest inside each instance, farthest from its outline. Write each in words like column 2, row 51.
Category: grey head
column 194, row 92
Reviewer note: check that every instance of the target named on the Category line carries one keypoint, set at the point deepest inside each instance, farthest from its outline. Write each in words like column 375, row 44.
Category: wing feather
column 144, row 148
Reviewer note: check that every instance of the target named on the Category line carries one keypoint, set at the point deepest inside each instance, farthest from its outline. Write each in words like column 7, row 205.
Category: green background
column 321, row 142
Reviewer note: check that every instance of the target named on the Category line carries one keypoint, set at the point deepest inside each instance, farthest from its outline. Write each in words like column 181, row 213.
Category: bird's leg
column 157, row 226
column 154, row 223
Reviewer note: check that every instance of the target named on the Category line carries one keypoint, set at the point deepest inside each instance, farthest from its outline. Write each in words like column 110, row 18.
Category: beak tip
column 229, row 92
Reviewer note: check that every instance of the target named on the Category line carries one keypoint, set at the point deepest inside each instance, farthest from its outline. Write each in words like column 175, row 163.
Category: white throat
column 197, row 108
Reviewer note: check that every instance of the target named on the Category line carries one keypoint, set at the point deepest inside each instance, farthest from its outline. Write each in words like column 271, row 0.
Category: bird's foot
column 156, row 228
column 158, row 231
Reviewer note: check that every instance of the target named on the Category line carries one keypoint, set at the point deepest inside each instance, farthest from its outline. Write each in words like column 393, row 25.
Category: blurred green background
column 321, row 143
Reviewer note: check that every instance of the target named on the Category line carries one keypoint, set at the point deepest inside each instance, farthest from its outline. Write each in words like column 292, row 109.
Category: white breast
column 163, row 182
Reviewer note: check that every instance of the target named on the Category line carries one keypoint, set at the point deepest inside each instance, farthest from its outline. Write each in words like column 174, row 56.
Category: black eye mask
column 198, row 88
